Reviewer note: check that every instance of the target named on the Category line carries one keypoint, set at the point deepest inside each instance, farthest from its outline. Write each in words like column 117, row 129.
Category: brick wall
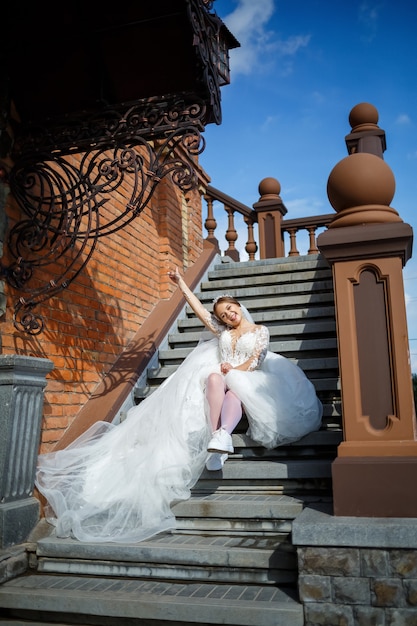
column 90, row 323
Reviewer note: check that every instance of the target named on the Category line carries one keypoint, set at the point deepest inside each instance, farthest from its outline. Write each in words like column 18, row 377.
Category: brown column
column 270, row 210
column 367, row 245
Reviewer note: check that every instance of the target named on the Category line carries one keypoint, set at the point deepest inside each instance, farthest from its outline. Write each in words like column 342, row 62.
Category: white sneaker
column 216, row 461
column 221, row 442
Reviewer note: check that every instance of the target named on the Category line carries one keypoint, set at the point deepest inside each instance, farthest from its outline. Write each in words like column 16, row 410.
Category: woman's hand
column 225, row 368
column 174, row 275
column 192, row 300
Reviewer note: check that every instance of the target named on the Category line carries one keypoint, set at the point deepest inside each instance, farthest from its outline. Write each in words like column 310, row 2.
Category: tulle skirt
column 118, row 482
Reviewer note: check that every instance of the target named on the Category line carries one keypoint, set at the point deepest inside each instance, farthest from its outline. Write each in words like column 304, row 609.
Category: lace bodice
column 253, row 344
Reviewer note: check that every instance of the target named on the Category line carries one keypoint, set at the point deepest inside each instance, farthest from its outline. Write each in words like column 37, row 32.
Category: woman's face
column 229, row 313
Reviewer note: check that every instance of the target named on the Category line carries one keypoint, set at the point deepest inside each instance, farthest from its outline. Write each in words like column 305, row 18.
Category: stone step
column 252, row 471
column 270, row 284
column 255, row 301
column 320, row 384
column 281, row 347
column 291, row 330
column 250, row 559
column 236, row 527
column 279, row 266
column 311, row 443
column 141, row 601
column 300, row 347
column 251, row 275
column 245, row 291
column 270, row 317
column 322, row 373
column 319, row 365
column 325, row 384
column 239, row 505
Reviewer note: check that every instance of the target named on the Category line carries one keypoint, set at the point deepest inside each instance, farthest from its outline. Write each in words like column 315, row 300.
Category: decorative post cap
column 269, row 189
column 364, row 116
column 366, row 135
column 360, row 188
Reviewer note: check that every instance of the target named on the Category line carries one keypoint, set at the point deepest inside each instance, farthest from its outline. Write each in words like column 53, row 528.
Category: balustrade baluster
column 251, row 247
column 293, row 243
column 312, row 238
column 231, row 235
column 271, row 228
column 210, row 223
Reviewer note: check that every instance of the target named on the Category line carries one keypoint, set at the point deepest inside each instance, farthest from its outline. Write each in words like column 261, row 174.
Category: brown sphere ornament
column 363, row 116
column 269, row 188
column 360, row 188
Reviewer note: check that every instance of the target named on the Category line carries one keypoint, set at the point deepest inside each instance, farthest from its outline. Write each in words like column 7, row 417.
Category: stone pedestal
column 367, row 245
column 356, row 570
column 22, row 383
column 377, row 461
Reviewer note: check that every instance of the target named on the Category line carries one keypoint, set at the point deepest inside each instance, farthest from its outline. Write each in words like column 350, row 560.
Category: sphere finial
column 269, row 188
column 360, row 188
column 363, row 116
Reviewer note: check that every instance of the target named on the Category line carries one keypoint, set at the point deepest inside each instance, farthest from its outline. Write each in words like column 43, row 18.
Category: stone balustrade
column 277, row 237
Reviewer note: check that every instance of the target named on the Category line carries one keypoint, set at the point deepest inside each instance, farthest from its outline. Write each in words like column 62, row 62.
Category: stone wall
column 356, row 571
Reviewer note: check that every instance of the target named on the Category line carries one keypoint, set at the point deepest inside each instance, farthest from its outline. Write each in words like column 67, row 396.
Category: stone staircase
column 230, row 560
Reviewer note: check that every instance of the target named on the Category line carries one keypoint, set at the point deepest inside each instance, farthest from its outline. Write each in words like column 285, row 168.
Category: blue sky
column 302, row 66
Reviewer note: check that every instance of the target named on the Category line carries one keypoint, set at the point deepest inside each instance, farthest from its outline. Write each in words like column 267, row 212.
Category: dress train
column 117, row 482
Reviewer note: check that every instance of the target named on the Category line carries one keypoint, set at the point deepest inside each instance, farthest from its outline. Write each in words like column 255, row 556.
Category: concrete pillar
column 270, row 209
column 367, row 245
column 22, row 383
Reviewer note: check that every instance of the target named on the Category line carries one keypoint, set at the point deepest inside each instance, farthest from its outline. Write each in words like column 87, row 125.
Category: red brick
column 90, row 323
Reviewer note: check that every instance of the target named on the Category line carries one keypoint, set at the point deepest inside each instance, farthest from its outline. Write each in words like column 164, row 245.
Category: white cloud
column 268, row 123
column 368, row 18
column 292, row 45
column 318, row 97
column 403, row 119
column 303, row 207
column 249, row 24
column 250, row 17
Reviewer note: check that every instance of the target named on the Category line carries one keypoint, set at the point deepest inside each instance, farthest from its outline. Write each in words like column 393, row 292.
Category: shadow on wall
column 86, row 332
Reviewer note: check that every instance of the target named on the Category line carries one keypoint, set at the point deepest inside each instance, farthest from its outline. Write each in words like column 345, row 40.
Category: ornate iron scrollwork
column 62, row 198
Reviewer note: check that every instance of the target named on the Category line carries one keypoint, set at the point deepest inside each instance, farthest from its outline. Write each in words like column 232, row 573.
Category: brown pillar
column 366, row 136
column 270, row 210
column 367, row 245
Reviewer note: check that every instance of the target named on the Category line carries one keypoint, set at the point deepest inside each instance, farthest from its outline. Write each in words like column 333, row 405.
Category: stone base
column 17, row 520
column 356, row 570
column 374, row 486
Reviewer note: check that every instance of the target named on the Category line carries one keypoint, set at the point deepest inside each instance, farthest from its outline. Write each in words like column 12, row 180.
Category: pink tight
column 225, row 407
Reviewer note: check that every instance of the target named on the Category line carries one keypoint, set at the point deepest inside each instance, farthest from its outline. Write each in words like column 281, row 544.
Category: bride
column 117, row 482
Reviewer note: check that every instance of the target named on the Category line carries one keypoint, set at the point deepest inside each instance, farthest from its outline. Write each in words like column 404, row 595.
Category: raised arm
column 192, row 300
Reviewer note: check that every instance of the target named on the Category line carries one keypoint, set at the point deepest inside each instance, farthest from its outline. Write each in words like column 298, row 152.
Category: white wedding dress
column 117, row 482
